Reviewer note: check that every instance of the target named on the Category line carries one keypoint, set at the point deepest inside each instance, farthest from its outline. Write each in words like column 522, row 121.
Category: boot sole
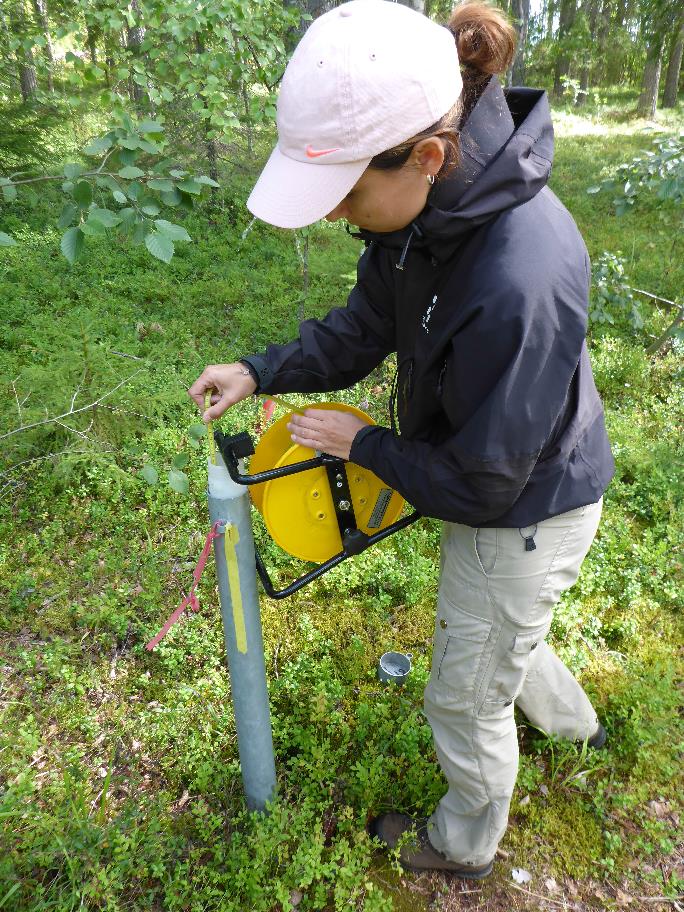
column 463, row 873
column 598, row 739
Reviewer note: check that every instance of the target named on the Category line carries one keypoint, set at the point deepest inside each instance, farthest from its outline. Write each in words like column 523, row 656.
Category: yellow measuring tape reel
column 298, row 510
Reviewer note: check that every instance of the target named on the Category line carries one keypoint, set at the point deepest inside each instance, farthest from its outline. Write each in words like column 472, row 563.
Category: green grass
column 119, row 778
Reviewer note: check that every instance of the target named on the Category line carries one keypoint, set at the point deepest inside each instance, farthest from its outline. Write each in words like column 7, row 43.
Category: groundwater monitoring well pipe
column 229, row 506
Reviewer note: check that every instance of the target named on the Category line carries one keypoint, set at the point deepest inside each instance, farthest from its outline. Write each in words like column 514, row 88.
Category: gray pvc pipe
column 229, row 503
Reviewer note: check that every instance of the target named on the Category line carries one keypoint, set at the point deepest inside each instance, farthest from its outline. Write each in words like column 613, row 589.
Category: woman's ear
column 428, row 155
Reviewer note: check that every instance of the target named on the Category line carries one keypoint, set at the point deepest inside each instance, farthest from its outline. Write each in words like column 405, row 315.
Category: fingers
column 310, row 425
column 304, row 423
column 308, row 431
column 201, row 385
column 325, row 430
column 311, row 443
column 217, row 409
column 230, row 383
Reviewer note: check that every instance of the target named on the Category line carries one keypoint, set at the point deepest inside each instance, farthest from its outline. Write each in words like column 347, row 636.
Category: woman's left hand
column 328, row 431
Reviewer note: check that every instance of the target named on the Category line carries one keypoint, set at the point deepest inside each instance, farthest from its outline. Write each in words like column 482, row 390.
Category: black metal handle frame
column 354, row 540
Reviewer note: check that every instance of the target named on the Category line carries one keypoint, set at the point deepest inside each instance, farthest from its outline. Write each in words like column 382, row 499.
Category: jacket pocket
column 459, row 645
column 509, row 675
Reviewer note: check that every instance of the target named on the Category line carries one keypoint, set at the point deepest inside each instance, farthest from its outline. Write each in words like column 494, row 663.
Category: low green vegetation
column 119, row 777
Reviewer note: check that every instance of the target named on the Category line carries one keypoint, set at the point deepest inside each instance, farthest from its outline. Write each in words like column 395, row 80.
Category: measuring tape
column 283, row 403
column 229, row 536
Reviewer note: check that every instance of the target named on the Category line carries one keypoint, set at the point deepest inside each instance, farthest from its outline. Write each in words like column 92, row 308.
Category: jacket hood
column 506, row 157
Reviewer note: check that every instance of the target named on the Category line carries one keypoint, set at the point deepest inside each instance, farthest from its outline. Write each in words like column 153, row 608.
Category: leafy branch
column 137, row 184
column 612, row 296
column 613, row 300
column 660, row 172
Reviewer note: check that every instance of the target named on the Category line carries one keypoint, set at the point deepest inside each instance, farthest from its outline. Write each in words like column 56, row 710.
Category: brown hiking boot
column 598, row 739
column 420, row 854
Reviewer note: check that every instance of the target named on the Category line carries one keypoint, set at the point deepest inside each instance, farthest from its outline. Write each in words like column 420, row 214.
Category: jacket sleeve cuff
column 260, row 371
column 364, row 445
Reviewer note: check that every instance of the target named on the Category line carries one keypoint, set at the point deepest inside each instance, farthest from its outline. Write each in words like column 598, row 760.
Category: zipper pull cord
column 393, row 402
column 404, row 252
column 407, row 388
column 530, row 544
column 440, row 382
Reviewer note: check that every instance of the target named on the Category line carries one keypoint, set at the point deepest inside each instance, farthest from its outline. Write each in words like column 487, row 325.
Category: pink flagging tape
column 190, row 599
column 263, row 420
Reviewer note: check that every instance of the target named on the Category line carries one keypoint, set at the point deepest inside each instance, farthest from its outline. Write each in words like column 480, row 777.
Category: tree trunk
column 314, row 8
column 248, row 119
column 40, row 11
column 583, row 93
column 92, row 43
column 621, row 13
column 417, row 5
column 603, row 30
column 550, row 12
column 568, row 10
column 209, row 144
column 520, row 13
column 212, row 156
column 673, row 68
column 648, row 100
column 134, row 38
column 27, row 75
column 26, row 71
column 110, row 53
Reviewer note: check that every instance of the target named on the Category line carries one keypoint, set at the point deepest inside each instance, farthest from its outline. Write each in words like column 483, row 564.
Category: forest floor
column 119, row 776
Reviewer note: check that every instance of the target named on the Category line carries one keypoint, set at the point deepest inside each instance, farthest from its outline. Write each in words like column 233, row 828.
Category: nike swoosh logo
column 313, row 153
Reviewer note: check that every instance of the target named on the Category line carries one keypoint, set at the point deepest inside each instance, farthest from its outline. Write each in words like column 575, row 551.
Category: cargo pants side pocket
column 460, row 644
column 510, row 670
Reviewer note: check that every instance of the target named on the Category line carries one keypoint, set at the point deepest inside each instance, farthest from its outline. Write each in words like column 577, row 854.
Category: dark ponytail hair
column 485, row 41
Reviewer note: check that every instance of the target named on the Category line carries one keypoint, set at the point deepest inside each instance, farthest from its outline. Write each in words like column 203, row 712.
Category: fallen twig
column 586, row 642
column 48, row 601
column 120, row 411
column 124, row 355
column 656, row 899
column 664, row 336
column 556, row 902
column 16, row 398
column 77, row 391
column 83, row 434
column 72, row 411
column 655, row 297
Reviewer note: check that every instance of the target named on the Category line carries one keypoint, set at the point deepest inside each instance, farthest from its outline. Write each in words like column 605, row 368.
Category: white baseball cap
column 365, row 77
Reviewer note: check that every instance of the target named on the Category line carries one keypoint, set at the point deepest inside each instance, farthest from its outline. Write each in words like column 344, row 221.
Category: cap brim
column 292, row 194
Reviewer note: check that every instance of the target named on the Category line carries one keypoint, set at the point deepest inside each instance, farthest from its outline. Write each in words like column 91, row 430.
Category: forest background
column 130, row 136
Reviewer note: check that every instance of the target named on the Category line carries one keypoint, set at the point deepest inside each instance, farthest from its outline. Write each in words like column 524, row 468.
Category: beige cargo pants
column 494, row 610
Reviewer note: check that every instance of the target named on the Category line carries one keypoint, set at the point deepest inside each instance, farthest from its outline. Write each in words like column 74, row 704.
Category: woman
column 476, row 275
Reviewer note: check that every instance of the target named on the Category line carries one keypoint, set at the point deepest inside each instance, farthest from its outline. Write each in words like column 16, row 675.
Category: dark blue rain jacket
column 484, row 299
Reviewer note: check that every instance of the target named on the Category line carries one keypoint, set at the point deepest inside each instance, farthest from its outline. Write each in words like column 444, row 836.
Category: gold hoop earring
column 430, row 178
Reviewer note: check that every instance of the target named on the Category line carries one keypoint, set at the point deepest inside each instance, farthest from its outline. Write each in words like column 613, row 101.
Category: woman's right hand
column 230, row 383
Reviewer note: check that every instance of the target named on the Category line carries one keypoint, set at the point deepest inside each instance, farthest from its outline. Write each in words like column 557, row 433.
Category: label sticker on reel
column 380, row 508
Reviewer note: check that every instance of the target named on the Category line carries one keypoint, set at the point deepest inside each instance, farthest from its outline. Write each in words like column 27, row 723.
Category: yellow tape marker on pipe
column 230, row 540
column 210, row 429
